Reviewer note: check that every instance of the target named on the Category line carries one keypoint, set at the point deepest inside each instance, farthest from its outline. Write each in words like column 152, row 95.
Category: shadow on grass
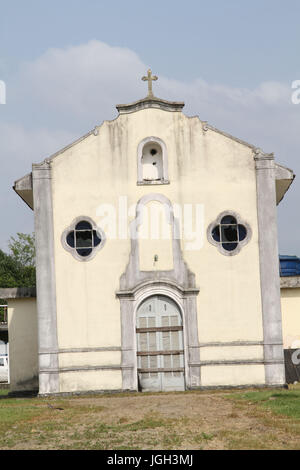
column 5, row 394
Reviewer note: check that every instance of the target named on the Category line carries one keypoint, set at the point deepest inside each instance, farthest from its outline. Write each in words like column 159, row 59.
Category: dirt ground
column 186, row 420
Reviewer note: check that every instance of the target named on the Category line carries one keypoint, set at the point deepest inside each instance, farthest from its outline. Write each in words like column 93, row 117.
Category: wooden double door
column 160, row 348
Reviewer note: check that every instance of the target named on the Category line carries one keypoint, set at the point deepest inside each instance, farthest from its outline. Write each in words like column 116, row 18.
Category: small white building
column 157, row 259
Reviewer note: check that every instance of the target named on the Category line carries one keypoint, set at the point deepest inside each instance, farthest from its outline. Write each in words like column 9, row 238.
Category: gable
column 109, row 151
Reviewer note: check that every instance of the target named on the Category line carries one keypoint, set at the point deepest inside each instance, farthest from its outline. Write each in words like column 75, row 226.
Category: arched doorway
column 160, row 349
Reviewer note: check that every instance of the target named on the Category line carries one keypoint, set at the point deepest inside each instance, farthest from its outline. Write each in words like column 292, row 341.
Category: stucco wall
column 23, row 347
column 205, row 168
column 290, row 305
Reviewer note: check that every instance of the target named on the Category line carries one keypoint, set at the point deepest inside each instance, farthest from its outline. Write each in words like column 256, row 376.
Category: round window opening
column 229, row 234
column 83, row 238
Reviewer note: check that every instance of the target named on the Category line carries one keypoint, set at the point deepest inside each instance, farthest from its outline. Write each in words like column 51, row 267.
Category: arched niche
column 152, row 161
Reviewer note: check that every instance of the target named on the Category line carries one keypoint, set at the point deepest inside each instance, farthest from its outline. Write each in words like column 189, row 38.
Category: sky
column 67, row 63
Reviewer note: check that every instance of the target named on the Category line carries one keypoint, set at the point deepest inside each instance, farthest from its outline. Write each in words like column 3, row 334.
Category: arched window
column 152, row 162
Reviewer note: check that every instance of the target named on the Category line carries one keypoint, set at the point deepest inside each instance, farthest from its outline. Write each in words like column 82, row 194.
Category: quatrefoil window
column 83, row 239
column 229, row 233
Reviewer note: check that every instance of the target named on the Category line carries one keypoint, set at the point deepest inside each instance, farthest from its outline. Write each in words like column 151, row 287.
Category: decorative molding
column 81, row 350
column 178, row 284
column 151, row 182
column 150, row 102
column 133, row 276
column 96, row 131
column 159, row 284
column 236, row 362
column 231, row 343
column 80, row 369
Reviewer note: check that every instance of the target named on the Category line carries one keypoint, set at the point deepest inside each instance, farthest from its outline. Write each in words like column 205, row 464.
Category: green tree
column 17, row 268
column 22, row 249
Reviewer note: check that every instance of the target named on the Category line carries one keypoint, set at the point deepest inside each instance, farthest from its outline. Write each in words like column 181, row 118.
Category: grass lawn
column 283, row 402
column 246, row 419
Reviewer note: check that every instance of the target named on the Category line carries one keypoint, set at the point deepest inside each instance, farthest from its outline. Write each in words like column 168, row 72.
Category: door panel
column 160, row 345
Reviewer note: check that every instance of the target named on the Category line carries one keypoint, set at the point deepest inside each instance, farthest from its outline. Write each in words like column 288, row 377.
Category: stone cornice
column 130, row 293
column 150, row 102
column 260, row 155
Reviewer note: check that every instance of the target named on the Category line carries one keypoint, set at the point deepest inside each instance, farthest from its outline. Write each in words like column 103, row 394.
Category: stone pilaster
column 269, row 268
column 45, row 273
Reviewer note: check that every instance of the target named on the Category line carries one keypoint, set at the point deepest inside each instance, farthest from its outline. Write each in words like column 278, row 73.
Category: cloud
column 20, row 147
column 85, row 80
column 94, row 76
column 65, row 92
column 78, row 87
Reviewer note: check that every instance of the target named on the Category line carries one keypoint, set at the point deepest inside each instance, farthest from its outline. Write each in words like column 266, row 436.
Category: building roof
column 289, row 265
column 17, row 292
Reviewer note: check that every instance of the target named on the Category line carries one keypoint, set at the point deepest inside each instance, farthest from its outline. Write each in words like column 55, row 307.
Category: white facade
column 154, row 163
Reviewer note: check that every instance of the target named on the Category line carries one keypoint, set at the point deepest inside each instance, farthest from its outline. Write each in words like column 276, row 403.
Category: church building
column 157, row 260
